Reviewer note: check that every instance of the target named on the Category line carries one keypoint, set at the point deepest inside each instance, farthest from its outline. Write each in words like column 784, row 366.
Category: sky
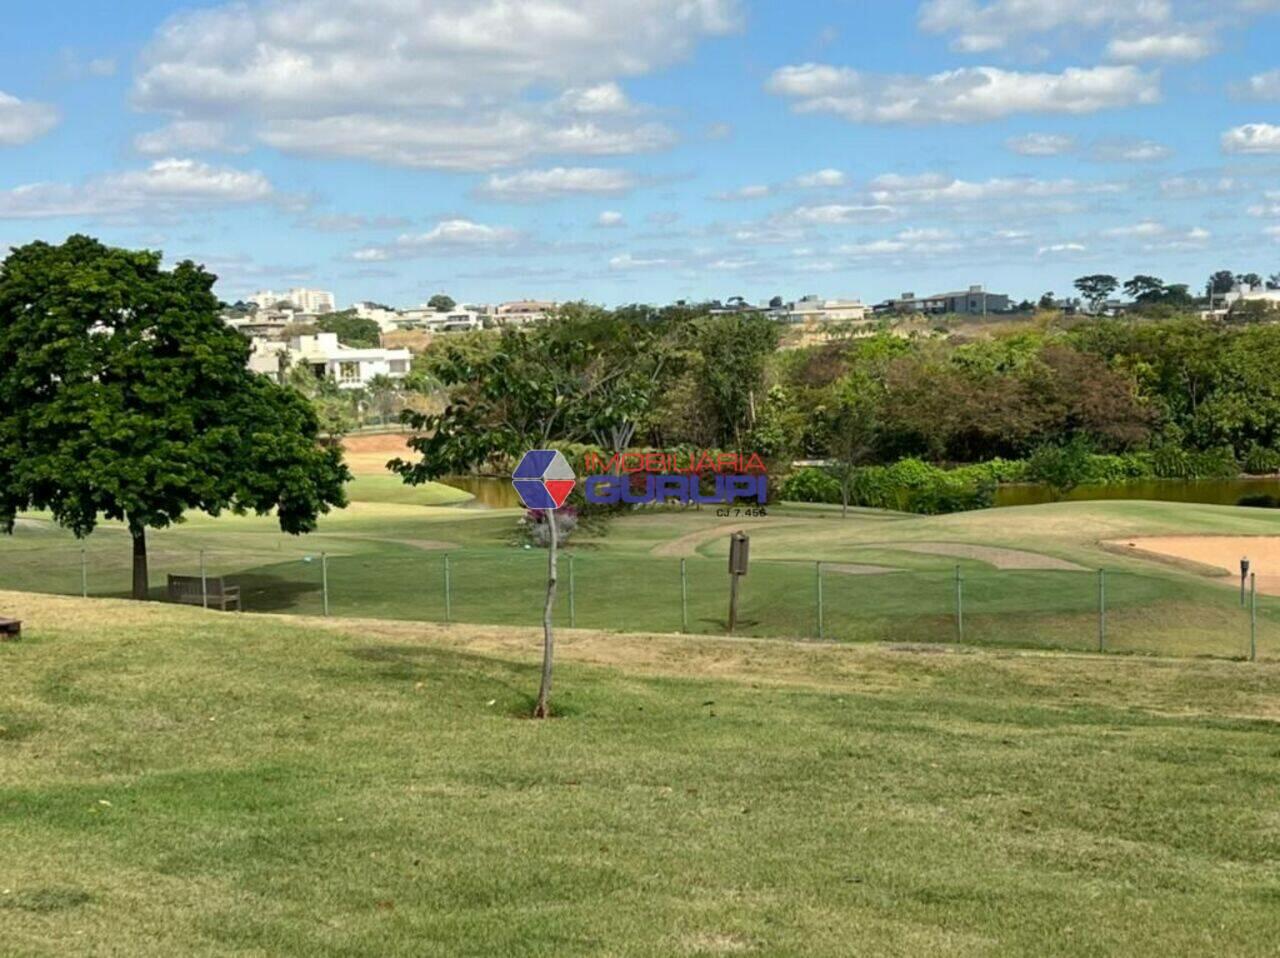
column 650, row 150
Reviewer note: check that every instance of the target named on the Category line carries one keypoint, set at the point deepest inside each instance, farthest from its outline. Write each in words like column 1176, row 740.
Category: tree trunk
column 141, row 581
column 543, row 708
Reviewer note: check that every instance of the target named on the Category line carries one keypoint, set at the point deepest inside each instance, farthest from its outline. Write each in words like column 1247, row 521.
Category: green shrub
column 1261, row 461
column 810, row 485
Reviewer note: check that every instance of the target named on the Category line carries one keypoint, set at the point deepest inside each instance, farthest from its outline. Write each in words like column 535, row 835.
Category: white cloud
column 22, row 121
column 626, row 261
column 610, row 218
column 1062, row 248
column 755, row 191
column 981, row 27
column 1161, row 46
column 454, row 84
column 930, row 188
column 967, row 95
column 831, row 214
column 1191, row 187
column 601, row 98
column 825, row 179
column 455, row 235
column 1263, row 86
column 164, row 186
column 1129, row 150
column 186, row 136
column 1252, row 138
column 1041, row 144
column 1145, row 228
column 534, row 185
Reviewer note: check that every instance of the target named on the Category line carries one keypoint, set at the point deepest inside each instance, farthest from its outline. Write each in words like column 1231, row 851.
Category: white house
column 522, row 311
column 424, row 317
column 826, row 310
column 385, row 317
column 306, row 300
column 349, row 367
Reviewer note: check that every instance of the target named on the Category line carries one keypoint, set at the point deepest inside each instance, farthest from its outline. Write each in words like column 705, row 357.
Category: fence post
column 818, row 576
column 573, row 616
column 448, row 592
column 84, row 574
column 324, row 580
column 1102, row 610
column 959, row 604
column 684, row 597
column 1253, row 616
column 204, row 583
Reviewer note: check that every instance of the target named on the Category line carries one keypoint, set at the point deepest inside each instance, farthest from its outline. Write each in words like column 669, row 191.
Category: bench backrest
column 190, row 585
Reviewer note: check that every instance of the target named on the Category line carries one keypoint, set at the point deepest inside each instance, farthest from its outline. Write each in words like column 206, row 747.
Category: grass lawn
column 181, row 782
column 386, row 559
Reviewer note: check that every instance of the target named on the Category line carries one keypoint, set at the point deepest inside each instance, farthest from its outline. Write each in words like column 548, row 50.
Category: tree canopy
column 124, row 396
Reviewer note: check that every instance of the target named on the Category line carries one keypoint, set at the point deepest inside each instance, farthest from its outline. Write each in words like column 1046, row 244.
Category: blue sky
column 619, row 150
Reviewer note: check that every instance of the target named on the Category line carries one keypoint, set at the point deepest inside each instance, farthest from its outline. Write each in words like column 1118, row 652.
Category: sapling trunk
column 543, row 708
column 141, row 581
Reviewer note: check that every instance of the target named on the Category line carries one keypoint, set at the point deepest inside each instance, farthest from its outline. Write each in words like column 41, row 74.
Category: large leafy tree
column 1096, row 289
column 124, row 396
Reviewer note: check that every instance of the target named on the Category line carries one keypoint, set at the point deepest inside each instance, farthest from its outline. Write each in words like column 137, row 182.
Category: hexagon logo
column 543, row 479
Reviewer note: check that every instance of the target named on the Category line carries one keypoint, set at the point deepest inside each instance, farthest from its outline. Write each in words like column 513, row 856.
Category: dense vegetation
column 890, row 416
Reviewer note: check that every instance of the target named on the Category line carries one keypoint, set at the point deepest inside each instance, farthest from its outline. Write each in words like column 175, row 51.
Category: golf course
column 1022, row 577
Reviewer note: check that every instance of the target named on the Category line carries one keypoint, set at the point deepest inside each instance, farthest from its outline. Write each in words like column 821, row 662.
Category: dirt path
column 997, row 556
column 687, row 545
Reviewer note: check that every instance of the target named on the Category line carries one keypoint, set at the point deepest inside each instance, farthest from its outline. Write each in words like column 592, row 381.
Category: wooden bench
column 10, row 629
column 188, row 590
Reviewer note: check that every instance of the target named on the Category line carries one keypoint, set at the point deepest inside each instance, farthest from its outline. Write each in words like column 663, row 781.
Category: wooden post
column 818, row 575
column 733, row 602
column 543, row 707
column 448, row 590
column 84, row 574
column 204, row 583
column 324, row 580
column 1102, row 610
column 1253, row 617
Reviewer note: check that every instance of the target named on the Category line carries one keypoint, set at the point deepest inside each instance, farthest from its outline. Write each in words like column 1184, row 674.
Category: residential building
column 349, row 367
column 384, row 316
column 307, row 300
column 523, row 311
column 433, row 320
column 975, row 301
column 815, row 309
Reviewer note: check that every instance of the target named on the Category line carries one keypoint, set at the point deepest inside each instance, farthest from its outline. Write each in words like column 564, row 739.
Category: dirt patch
column 997, row 556
column 1211, row 555
column 853, row 568
column 384, row 443
column 687, row 544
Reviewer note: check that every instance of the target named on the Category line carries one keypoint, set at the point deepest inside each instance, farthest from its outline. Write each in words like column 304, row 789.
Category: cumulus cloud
column 825, row 179
column 186, row 136
column 971, row 94
column 1252, row 138
column 628, row 261
column 456, row 235
column 1061, row 248
column 831, row 214
column 1041, row 144
column 754, row 191
column 22, row 121
column 931, row 188
column 981, row 27
column 1161, row 46
column 1129, row 150
column 529, row 186
column 165, row 186
column 1263, row 86
column 454, row 84
column 610, row 219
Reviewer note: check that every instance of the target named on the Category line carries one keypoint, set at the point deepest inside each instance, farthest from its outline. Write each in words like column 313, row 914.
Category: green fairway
column 1029, row 574
column 180, row 782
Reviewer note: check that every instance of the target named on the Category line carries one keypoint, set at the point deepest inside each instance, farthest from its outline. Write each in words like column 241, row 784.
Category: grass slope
column 180, row 782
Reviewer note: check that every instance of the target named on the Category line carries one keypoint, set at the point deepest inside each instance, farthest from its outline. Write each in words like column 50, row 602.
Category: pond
column 1245, row 491
column 495, row 492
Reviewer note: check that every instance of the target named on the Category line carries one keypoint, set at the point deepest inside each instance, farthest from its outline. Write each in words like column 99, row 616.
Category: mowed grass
column 180, row 782
column 387, row 559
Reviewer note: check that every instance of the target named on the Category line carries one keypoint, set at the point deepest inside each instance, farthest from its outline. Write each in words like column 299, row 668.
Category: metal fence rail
column 1102, row 610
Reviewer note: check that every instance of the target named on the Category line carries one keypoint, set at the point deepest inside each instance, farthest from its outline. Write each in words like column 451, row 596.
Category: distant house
column 349, row 367
column 433, row 320
column 306, row 300
column 522, row 311
column 975, row 301
column 815, row 309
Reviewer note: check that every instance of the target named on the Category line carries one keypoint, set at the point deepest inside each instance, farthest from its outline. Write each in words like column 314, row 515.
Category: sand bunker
column 1212, row 555
column 997, row 556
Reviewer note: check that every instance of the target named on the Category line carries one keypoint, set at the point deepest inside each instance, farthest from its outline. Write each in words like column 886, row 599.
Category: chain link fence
column 1109, row 610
